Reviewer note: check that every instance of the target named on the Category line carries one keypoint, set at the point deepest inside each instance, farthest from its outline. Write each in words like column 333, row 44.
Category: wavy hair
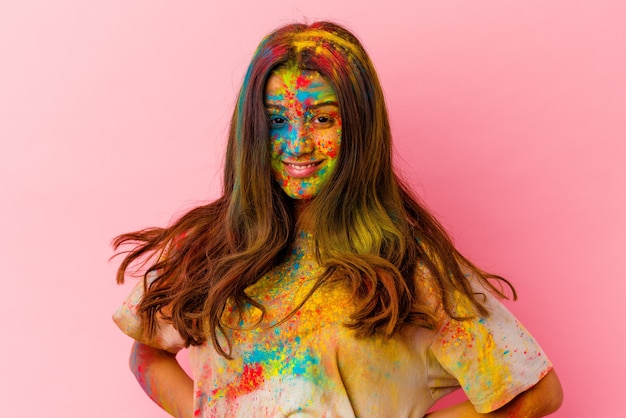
column 368, row 228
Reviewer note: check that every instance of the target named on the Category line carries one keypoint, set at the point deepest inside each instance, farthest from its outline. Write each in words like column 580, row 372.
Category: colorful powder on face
column 305, row 129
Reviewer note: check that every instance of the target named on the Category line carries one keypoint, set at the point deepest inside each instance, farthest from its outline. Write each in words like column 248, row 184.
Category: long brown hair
column 369, row 230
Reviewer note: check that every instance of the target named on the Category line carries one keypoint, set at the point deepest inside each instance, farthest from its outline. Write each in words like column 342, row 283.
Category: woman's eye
column 323, row 120
column 277, row 121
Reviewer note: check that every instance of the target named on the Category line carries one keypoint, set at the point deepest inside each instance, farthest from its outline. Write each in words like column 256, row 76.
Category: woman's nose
column 298, row 141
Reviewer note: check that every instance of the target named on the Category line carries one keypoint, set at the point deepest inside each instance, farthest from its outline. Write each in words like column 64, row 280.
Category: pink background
column 508, row 116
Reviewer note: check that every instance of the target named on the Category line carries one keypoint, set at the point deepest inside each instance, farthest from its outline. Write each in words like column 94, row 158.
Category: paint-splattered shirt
column 312, row 365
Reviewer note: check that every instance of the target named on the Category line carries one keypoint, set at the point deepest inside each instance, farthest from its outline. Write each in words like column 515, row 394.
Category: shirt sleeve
column 493, row 358
column 127, row 319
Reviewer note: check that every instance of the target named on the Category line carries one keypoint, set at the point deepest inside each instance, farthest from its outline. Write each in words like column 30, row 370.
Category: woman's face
column 305, row 130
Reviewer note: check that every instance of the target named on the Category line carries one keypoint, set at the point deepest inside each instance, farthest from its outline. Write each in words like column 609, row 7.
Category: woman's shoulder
column 428, row 289
column 454, row 301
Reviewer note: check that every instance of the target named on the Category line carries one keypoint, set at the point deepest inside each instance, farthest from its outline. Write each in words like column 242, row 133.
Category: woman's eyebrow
column 275, row 107
column 322, row 104
column 281, row 108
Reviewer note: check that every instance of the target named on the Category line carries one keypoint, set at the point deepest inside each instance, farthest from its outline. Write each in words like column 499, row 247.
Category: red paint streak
column 251, row 378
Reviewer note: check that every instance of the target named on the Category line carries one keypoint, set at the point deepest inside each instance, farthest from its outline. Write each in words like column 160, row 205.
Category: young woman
column 317, row 285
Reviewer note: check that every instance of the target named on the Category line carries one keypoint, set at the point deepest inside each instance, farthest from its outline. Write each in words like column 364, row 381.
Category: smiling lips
column 301, row 169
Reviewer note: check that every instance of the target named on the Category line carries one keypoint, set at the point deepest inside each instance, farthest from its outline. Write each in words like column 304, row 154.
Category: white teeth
column 301, row 167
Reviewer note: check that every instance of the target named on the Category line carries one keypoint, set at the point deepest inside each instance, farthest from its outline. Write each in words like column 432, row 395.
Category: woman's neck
column 302, row 221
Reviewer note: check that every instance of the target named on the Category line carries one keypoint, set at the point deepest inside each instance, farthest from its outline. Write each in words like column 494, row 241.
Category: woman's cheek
column 328, row 144
column 277, row 145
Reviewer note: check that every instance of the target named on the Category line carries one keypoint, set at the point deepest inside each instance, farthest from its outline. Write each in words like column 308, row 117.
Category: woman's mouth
column 301, row 170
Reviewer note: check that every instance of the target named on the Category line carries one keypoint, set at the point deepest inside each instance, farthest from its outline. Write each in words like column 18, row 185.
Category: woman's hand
column 538, row 401
column 162, row 378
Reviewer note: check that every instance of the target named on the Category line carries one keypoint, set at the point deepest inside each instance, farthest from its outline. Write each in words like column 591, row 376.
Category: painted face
column 305, row 130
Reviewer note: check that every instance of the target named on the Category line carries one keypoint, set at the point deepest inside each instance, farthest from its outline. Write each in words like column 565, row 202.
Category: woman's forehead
column 288, row 81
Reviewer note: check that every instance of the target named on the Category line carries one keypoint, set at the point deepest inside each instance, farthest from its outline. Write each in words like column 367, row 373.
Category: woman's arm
column 538, row 401
column 162, row 378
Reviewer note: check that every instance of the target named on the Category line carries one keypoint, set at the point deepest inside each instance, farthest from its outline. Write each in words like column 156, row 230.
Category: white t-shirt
column 311, row 365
